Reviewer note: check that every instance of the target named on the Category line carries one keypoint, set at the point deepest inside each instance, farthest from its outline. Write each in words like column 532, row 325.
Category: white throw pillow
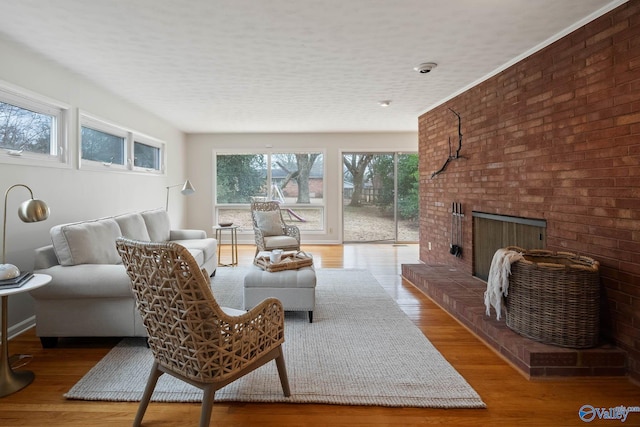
column 133, row 226
column 158, row 224
column 87, row 242
column 269, row 223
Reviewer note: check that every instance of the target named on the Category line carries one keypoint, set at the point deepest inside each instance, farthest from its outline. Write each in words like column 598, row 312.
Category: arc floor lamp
column 187, row 189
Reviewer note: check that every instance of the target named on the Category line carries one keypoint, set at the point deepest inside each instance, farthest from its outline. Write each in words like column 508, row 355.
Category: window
column 296, row 180
column 105, row 145
column 32, row 129
column 239, row 177
column 100, row 146
column 146, row 156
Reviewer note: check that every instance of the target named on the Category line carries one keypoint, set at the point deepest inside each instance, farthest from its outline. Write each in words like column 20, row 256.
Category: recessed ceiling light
column 384, row 103
column 425, row 67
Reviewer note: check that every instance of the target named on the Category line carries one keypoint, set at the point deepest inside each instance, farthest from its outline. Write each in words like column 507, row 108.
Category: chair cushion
column 269, row 223
column 233, row 311
column 280, row 242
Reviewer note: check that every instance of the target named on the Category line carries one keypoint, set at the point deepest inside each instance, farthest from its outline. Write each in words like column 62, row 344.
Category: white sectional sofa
column 90, row 292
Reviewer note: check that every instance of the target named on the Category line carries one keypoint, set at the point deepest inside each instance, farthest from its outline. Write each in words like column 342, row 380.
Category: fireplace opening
column 492, row 232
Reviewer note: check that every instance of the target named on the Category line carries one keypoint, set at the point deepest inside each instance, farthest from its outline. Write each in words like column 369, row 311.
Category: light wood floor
column 511, row 399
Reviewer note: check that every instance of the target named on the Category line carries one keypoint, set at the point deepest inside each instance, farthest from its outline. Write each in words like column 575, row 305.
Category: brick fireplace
column 461, row 295
column 554, row 137
column 492, row 232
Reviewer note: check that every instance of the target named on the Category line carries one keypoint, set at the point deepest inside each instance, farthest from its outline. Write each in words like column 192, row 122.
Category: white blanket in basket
column 498, row 281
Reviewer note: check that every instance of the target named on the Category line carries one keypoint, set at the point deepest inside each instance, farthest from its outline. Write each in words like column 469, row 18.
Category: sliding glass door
column 380, row 197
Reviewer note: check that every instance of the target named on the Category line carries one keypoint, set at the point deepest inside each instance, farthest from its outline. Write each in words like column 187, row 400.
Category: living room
column 75, row 193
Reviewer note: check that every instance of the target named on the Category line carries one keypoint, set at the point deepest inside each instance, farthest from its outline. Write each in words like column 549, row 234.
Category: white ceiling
column 289, row 65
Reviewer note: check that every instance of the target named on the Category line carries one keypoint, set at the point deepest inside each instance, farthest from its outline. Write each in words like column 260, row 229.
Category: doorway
column 380, row 197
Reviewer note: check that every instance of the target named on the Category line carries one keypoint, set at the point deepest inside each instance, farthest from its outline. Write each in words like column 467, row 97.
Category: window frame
column 269, row 154
column 58, row 151
column 130, row 137
column 150, row 142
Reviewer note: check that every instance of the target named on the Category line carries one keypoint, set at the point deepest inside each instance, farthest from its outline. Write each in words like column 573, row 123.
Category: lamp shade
column 187, row 188
column 33, row 210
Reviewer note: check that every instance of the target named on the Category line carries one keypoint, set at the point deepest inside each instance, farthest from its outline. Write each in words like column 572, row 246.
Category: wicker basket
column 554, row 298
column 290, row 261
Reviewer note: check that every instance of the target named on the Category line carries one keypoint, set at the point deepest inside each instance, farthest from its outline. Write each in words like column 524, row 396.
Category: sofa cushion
column 197, row 255
column 87, row 242
column 132, row 226
column 158, row 224
column 85, row 281
column 269, row 222
column 187, row 234
column 207, row 247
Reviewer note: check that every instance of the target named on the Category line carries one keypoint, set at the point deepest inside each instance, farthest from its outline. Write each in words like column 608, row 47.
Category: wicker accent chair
column 271, row 232
column 191, row 337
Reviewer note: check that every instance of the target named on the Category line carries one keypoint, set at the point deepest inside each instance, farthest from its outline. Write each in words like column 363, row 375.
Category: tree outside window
column 295, row 180
column 23, row 129
column 146, row 156
column 239, row 177
column 102, row 146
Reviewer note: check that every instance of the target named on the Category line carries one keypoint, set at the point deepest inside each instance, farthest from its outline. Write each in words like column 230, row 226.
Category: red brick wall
column 557, row 137
column 315, row 188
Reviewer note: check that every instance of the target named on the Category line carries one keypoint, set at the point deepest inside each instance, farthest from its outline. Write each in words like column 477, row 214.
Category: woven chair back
column 188, row 331
column 257, row 206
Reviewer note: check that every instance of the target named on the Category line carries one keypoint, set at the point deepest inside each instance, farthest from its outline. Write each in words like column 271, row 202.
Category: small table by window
column 11, row 381
column 234, row 243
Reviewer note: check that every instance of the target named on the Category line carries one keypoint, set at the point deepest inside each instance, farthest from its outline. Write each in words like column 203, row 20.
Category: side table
column 234, row 243
column 11, row 381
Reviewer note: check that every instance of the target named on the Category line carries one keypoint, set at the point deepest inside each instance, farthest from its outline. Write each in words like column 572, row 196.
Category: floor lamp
column 187, row 189
column 32, row 210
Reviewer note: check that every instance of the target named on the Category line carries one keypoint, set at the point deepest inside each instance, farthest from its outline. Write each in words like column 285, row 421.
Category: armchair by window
column 191, row 337
column 271, row 232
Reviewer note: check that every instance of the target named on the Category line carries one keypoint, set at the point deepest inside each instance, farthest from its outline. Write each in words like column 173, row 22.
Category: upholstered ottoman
column 296, row 289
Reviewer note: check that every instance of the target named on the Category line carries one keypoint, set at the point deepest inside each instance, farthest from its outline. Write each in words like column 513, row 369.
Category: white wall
column 74, row 194
column 201, row 149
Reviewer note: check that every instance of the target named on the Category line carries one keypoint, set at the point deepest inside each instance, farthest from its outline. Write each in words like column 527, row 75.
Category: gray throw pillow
column 87, row 242
column 269, row 223
column 132, row 226
column 158, row 225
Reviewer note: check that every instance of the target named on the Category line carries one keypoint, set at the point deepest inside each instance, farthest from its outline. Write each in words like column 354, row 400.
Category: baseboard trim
column 21, row 327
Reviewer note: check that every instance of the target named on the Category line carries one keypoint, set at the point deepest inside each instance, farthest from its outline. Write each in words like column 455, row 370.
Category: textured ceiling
column 288, row 65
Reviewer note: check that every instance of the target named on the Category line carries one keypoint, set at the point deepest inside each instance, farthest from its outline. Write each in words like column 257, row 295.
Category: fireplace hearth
column 462, row 296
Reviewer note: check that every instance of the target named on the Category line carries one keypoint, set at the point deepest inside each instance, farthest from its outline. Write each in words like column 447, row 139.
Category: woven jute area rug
column 361, row 349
